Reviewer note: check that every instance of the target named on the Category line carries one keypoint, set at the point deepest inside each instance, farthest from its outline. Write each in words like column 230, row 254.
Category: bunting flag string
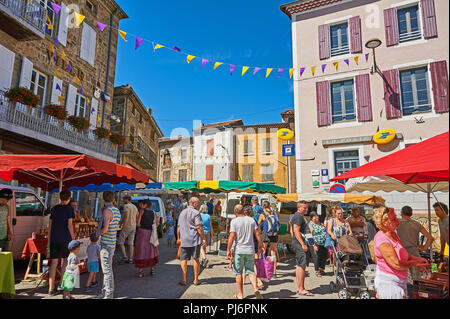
column 291, row 72
column 244, row 69
column 79, row 18
column 217, row 64
column 268, row 72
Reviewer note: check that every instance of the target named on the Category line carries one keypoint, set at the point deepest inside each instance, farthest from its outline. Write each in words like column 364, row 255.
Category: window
column 183, row 154
column 28, row 205
column 339, row 39
column 88, row 44
column 267, row 173
column 167, row 160
column 409, row 24
column 80, row 106
column 209, row 172
column 415, row 90
column 248, row 147
column 38, row 85
column 90, row 6
column 47, row 7
column 345, row 161
column 140, row 119
column 210, row 147
column 247, row 173
column 166, row 176
column 267, row 146
column 342, row 101
column 182, row 175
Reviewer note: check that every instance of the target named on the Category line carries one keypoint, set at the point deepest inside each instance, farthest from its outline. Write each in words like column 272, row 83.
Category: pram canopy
column 349, row 245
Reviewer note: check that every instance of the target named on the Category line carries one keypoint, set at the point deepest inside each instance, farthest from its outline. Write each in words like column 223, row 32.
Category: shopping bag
column 264, row 268
column 154, row 237
column 329, row 241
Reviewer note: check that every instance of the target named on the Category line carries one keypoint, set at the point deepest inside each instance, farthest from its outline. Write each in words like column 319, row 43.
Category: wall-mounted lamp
column 373, row 44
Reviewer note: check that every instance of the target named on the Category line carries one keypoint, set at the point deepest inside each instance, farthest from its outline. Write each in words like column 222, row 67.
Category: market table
column 7, row 273
column 33, row 247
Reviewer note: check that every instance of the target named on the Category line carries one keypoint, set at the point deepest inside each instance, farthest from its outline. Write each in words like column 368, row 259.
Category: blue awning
column 111, row 187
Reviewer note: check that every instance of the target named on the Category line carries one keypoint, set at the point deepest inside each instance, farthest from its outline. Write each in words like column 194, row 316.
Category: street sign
column 285, row 134
column 337, row 188
column 288, row 150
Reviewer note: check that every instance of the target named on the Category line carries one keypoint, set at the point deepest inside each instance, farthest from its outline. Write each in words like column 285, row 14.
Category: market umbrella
column 115, row 188
column 332, row 198
column 64, row 171
column 422, row 167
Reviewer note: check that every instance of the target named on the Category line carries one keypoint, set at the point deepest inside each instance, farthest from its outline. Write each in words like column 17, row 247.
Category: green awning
column 226, row 187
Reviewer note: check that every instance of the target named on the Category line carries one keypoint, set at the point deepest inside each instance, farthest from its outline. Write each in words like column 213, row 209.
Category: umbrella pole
column 226, row 218
column 429, row 217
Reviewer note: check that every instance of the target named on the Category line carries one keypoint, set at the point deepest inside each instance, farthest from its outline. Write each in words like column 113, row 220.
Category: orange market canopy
column 330, row 199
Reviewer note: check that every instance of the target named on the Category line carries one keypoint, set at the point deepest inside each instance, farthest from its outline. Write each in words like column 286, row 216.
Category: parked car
column 27, row 215
column 157, row 206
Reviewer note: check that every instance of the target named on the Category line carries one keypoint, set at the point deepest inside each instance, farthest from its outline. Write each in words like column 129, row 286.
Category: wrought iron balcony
column 35, row 125
column 23, row 19
column 139, row 151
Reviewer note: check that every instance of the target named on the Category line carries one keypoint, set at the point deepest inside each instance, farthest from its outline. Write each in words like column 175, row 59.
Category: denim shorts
column 93, row 266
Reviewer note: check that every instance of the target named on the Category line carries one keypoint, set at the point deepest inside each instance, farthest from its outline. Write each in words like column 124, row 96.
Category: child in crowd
column 71, row 277
column 93, row 252
column 171, row 232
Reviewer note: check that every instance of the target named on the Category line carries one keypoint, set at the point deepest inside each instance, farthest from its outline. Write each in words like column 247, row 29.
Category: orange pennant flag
column 291, row 72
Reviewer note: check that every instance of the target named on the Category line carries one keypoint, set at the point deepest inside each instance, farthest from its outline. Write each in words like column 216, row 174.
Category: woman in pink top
column 393, row 261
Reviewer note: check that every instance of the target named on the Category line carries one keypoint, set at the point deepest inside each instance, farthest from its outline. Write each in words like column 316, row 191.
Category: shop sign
column 384, row 136
column 285, row 134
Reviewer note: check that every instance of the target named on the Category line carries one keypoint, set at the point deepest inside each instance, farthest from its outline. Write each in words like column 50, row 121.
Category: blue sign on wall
column 324, row 172
column 288, row 150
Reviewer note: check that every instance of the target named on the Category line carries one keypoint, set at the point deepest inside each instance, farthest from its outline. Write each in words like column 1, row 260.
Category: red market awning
column 63, row 171
column 424, row 162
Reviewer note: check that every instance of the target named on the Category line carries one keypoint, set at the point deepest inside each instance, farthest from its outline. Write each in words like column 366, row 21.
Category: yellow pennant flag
column 78, row 80
column 268, row 72
column 217, row 64
column 63, row 55
column 123, row 34
column 98, row 119
column 244, row 69
column 336, row 65
column 79, row 18
column 158, row 46
column 313, row 69
column 50, row 47
column 291, row 72
column 89, row 101
column 50, row 26
column 60, row 99
column 57, row 74
column 356, row 60
column 189, row 58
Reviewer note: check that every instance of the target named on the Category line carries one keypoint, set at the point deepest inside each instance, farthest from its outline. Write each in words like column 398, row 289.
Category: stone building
column 64, row 64
column 140, row 129
column 175, row 159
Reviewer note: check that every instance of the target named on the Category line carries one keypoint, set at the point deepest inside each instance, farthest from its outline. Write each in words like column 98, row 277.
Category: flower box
column 57, row 111
column 117, row 139
column 102, row 132
column 23, row 96
column 78, row 122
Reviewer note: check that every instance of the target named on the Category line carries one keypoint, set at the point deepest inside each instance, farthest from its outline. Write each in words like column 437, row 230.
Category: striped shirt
column 109, row 238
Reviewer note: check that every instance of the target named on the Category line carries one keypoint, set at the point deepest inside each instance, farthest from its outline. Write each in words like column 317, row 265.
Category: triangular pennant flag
column 217, row 64
column 69, row 68
column 256, row 70
column 347, row 61
column 302, row 70
column 50, row 26
column 78, row 80
column 177, row 49
column 232, row 67
column 268, row 72
column 158, row 46
column 54, row 59
column 204, row 61
column 79, row 18
column 57, row 74
column 56, row 40
column 63, row 55
column 58, row 87
column 138, row 42
column 50, row 47
column 336, row 65
column 88, row 100
column 356, row 60
column 291, row 72
column 244, row 69
column 93, row 110
column 313, row 69
column 323, row 67
column 101, row 26
column 81, row 91
column 60, row 99
column 280, row 71
column 123, row 34
column 56, row 7
column 189, row 58
column 367, row 56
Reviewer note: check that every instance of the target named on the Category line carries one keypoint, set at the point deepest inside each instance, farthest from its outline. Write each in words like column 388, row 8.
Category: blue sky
column 246, row 32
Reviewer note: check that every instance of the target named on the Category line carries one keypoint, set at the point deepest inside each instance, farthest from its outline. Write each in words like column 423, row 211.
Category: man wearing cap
column 5, row 223
column 128, row 225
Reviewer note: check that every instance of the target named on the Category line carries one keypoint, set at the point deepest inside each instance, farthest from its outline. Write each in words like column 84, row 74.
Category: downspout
column 124, row 125
column 111, row 20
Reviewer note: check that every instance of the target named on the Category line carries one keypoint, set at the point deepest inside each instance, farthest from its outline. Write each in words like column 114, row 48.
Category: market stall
column 330, row 199
column 7, row 274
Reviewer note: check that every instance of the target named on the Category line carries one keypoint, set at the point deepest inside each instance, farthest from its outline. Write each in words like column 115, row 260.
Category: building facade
column 175, row 159
column 337, row 112
column 63, row 64
column 140, row 129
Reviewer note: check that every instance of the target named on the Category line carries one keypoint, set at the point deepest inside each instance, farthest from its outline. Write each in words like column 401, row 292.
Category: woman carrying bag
column 318, row 250
column 336, row 228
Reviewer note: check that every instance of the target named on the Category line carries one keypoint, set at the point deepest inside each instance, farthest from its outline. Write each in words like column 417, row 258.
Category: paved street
column 217, row 283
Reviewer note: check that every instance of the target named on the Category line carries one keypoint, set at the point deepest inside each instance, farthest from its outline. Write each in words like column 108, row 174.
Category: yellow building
column 259, row 155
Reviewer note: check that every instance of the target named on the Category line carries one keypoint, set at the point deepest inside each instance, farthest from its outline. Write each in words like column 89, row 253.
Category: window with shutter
column 93, row 113
column 429, row 19
column 439, row 78
column 25, row 73
column 88, row 44
column 80, row 106
column 267, row 146
column 247, row 173
column 391, row 26
column 392, row 94
column 6, row 67
column 38, row 85
column 323, row 103
column 47, row 8
column 363, row 98
column 409, row 24
column 342, row 101
column 339, row 39
column 355, row 35
column 71, row 100
column 248, row 147
column 324, row 41
column 209, row 172
column 63, row 25
column 56, row 94
column 210, row 147
column 414, row 89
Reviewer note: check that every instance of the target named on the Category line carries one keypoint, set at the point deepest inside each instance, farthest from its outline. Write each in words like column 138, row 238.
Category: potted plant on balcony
column 23, row 96
column 57, row 111
column 117, row 139
column 102, row 132
column 79, row 123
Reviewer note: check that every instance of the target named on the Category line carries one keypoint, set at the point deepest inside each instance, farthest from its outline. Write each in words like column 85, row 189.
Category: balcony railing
column 137, row 148
column 29, row 13
column 34, row 123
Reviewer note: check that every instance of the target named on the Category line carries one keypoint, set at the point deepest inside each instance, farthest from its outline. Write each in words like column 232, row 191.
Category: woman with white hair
column 393, row 261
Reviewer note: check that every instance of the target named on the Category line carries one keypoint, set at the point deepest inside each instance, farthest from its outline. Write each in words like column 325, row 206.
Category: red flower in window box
column 78, row 122
column 57, row 111
column 117, row 139
column 23, row 96
column 102, row 132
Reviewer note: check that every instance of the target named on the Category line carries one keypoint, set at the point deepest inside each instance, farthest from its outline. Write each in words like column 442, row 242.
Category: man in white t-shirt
column 242, row 229
column 128, row 232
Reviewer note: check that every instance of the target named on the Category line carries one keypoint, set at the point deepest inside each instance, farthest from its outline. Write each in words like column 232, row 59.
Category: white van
column 27, row 214
column 236, row 198
column 157, row 206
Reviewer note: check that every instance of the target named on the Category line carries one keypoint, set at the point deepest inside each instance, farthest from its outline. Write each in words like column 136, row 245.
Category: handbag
column 330, row 242
column 264, row 268
column 154, row 237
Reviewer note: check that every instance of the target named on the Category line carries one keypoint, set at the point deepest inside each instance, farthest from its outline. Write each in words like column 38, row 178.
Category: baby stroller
column 350, row 278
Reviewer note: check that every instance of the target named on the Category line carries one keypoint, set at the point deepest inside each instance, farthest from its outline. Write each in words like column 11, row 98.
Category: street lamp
column 373, row 44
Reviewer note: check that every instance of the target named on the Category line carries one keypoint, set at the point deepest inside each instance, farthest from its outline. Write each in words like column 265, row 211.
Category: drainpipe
column 111, row 20
column 125, row 125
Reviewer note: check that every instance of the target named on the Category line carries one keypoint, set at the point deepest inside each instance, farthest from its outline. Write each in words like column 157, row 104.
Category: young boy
column 171, row 233
column 93, row 252
column 71, row 277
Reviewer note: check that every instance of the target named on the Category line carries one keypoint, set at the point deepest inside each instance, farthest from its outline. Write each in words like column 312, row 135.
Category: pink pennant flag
column 302, row 70
column 280, row 71
column 347, row 61
column 323, row 67
column 232, row 67
column 256, row 70
column 367, row 56
column 101, row 26
column 138, row 42
column 56, row 7
column 204, row 61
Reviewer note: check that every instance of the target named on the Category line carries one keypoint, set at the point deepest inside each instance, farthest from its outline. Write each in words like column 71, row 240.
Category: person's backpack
column 271, row 225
